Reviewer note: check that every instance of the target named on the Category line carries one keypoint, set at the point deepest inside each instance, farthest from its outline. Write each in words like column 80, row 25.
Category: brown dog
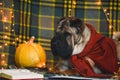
column 84, row 51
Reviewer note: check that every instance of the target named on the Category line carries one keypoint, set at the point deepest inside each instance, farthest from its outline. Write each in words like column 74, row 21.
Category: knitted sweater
column 102, row 51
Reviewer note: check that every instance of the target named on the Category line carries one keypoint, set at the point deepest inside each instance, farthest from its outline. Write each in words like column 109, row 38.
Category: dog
column 83, row 51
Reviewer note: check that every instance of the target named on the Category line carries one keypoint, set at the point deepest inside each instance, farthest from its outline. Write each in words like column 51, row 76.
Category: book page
column 19, row 74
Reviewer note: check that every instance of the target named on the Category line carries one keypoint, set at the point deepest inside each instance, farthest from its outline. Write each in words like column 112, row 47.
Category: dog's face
column 68, row 33
column 71, row 28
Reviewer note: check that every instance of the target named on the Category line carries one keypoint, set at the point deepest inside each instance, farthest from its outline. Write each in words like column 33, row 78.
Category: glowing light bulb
column 74, row 2
column 50, row 69
column 108, row 13
column 1, row 11
column 108, row 19
column 6, row 44
column 114, row 32
column 105, row 10
column 5, row 36
column 3, row 62
column 20, row 36
column 12, row 30
column 13, row 42
column 2, row 55
column 1, row 3
column 110, row 26
column 17, row 39
column 99, row 3
column 11, row 12
column 12, row 4
column 6, row 28
column 0, row 46
column 5, row 19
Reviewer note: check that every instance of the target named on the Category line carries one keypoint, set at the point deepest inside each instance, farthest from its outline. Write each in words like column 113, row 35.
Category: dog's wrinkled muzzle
column 60, row 47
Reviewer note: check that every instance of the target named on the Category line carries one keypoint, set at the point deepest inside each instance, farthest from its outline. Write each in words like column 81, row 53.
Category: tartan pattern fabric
column 39, row 18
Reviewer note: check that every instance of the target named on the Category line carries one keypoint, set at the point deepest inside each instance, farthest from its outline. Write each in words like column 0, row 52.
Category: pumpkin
column 30, row 54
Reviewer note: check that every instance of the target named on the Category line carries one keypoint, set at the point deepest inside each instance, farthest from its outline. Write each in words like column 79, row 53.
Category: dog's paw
column 54, row 71
column 69, row 72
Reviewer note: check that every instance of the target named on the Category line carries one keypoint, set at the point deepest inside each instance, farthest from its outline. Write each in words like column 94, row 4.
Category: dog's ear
column 60, row 47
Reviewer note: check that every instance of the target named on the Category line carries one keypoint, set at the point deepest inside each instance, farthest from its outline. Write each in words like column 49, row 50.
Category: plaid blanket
column 39, row 18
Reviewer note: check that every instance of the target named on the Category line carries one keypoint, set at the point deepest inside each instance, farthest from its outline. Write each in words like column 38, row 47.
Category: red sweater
column 102, row 51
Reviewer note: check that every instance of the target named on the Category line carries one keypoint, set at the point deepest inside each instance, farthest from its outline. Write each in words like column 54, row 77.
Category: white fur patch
column 78, row 48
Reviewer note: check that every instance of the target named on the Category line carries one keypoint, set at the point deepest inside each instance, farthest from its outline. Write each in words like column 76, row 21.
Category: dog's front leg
column 61, row 66
column 92, row 64
column 64, row 67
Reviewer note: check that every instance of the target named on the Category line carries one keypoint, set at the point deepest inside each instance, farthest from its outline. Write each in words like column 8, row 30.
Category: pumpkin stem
column 31, row 40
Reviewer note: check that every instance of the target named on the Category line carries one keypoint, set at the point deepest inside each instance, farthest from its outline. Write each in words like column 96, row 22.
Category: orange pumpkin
column 30, row 54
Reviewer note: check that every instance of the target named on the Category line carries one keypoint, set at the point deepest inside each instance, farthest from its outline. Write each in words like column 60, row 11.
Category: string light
column 71, row 8
column 8, row 27
column 107, row 15
column 3, row 61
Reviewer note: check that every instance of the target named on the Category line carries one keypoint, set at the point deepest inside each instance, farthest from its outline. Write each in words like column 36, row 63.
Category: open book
column 20, row 74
